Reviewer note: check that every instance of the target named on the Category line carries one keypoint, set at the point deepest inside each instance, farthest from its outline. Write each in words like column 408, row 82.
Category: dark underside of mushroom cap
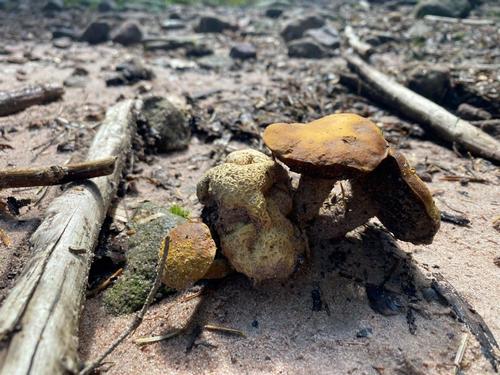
column 405, row 204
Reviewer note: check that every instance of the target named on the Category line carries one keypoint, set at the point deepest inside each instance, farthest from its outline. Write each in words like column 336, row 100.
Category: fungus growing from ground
column 191, row 253
column 250, row 195
column 381, row 183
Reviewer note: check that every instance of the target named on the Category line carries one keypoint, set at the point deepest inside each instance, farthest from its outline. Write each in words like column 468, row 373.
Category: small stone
column 326, row 36
column 199, row 50
column 129, row 72
column 53, row 6
column 420, row 30
column 306, row 48
column 364, row 332
column 243, row 51
column 215, row 62
column 64, row 32
column 296, row 29
column 274, row 12
column 127, row 34
column 62, row 43
column 212, row 24
column 444, row 8
column 433, row 82
column 96, row 32
column 168, row 122
column 106, row 6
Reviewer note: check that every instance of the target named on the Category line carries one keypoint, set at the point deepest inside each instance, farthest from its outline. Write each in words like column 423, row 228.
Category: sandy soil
column 286, row 331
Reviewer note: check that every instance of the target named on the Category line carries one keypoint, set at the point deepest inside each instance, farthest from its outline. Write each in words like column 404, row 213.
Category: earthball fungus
column 251, row 197
column 191, row 253
column 347, row 149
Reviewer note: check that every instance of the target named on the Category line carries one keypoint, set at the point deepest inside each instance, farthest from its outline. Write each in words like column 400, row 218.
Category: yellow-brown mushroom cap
column 405, row 204
column 190, row 254
column 333, row 146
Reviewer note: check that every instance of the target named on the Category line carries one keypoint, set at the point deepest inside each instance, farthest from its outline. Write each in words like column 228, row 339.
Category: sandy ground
column 285, row 333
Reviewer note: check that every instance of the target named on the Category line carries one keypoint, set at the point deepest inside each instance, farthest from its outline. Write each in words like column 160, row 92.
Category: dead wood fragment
column 445, row 124
column 362, row 48
column 460, row 352
column 217, row 328
column 55, row 174
column 15, row 101
column 463, row 21
column 40, row 316
column 136, row 322
column 469, row 316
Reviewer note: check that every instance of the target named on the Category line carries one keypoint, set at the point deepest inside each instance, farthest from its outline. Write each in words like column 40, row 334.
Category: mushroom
column 251, row 197
column 191, row 253
column 381, row 183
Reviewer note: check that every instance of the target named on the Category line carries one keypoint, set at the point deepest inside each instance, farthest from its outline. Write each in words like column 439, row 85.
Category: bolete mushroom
column 348, row 146
column 191, row 253
column 251, row 196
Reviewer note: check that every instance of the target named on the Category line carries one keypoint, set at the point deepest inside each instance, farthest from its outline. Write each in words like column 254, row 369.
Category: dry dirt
column 308, row 324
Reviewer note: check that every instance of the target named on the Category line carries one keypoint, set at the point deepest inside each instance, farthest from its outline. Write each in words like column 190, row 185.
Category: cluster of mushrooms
column 262, row 223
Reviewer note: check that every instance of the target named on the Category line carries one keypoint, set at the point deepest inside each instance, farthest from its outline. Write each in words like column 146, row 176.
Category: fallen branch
column 55, row 174
column 18, row 100
column 468, row 315
column 445, row 124
column 362, row 48
column 137, row 319
column 463, row 21
column 40, row 316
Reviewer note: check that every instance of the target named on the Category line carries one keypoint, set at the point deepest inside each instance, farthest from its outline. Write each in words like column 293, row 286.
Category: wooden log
column 40, row 316
column 18, row 100
column 422, row 110
column 55, row 174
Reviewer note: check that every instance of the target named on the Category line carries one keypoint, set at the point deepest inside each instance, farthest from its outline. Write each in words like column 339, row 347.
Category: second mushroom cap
column 333, row 146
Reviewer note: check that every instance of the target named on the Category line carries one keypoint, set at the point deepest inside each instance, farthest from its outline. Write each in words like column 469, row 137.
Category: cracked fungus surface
column 251, row 194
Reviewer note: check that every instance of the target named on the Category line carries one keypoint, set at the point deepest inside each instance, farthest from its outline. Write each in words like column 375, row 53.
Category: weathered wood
column 41, row 314
column 55, row 174
column 412, row 105
column 364, row 49
column 18, row 100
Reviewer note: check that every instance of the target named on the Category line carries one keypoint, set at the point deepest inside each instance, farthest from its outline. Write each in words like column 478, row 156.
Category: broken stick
column 55, row 174
column 40, row 316
column 364, row 49
column 18, row 100
column 450, row 127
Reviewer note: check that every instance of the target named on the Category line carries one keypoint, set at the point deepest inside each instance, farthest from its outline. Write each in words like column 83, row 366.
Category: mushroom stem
column 309, row 197
column 353, row 208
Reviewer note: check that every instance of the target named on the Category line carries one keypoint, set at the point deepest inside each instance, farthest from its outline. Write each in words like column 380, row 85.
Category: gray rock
column 106, row 6
column 306, row 48
column 173, row 24
column 198, row 50
column 419, row 30
column 215, row 62
column 296, row 29
column 96, row 32
column 274, row 12
column 128, row 33
column 173, row 42
column 129, row 72
column 364, row 332
column 64, row 32
column 445, row 8
column 168, row 122
column 53, row 6
column 212, row 24
column 433, row 82
column 62, row 43
column 131, row 289
column 243, row 51
column 326, row 36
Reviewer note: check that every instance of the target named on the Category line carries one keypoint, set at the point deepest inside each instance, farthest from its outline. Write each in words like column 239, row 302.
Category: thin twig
column 154, row 339
column 216, row 328
column 460, row 352
column 137, row 319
